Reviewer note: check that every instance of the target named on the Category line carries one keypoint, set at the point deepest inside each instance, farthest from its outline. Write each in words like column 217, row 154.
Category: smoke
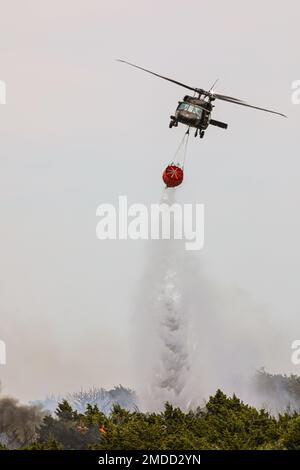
column 18, row 423
column 193, row 336
column 104, row 399
column 279, row 393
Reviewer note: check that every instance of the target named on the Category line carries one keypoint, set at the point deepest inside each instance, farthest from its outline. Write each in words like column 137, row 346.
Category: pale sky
column 80, row 129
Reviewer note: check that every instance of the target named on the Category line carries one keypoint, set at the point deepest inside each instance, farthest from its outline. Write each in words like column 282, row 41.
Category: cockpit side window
column 197, row 111
column 184, row 106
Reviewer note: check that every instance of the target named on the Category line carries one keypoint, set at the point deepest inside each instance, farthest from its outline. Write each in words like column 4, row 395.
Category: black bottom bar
column 133, row 459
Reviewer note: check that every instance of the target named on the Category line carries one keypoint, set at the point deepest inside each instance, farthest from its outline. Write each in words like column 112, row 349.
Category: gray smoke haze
column 18, row 423
column 193, row 336
column 104, row 399
column 278, row 393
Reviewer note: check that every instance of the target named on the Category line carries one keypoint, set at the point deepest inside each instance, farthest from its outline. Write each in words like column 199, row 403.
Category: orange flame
column 102, row 430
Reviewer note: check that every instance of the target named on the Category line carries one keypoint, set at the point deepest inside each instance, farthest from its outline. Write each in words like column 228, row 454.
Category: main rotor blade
column 160, row 76
column 229, row 99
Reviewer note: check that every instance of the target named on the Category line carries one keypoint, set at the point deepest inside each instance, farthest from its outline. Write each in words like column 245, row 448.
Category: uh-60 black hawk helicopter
column 195, row 111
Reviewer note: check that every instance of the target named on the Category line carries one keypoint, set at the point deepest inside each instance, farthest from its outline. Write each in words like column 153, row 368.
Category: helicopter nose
column 188, row 117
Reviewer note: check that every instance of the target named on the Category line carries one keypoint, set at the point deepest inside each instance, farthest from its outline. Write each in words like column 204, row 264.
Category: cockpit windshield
column 191, row 108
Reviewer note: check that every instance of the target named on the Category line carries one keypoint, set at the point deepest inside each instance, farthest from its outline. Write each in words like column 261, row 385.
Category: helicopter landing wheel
column 202, row 134
column 171, row 124
column 196, row 132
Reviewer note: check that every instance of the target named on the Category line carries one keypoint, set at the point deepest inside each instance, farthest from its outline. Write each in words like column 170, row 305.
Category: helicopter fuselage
column 195, row 112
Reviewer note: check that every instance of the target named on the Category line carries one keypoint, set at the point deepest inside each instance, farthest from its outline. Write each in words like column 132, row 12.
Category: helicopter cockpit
column 191, row 108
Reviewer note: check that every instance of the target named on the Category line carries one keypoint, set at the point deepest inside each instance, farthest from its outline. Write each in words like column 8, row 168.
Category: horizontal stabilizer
column 223, row 125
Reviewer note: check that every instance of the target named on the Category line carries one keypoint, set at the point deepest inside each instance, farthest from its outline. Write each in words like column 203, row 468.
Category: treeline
column 225, row 423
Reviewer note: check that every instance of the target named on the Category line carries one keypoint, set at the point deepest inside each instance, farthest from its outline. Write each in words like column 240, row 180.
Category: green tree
column 291, row 437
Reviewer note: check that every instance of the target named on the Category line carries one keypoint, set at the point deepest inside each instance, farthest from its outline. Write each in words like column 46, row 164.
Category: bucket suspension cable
column 185, row 146
column 182, row 145
column 173, row 174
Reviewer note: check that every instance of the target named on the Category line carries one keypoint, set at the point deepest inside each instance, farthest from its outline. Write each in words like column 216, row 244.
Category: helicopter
column 195, row 111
